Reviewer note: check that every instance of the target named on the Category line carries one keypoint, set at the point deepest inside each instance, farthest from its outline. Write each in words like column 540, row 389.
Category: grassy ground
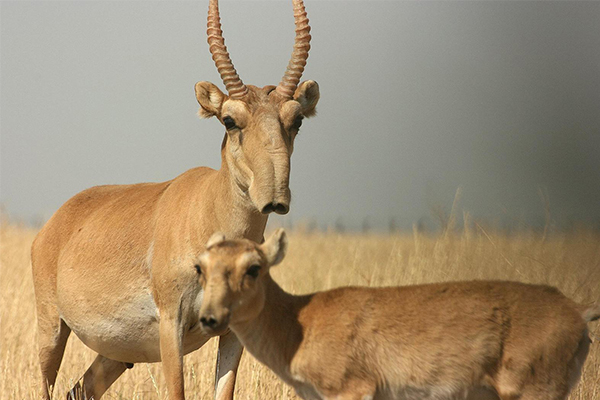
column 570, row 261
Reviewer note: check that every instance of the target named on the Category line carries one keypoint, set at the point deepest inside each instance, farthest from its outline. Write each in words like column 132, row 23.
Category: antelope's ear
column 307, row 94
column 275, row 247
column 216, row 238
column 210, row 99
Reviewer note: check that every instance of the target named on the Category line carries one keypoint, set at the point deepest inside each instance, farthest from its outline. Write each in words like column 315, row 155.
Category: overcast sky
column 417, row 100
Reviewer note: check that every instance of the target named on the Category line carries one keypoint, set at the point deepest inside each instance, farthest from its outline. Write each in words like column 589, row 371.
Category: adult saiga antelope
column 111, row 264
column 459, row 340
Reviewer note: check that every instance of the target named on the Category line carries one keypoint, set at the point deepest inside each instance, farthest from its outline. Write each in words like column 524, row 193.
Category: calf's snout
column 214, row 323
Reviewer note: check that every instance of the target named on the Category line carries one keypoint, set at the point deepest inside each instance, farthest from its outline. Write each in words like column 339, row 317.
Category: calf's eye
column 253, row 271
column 198, row 270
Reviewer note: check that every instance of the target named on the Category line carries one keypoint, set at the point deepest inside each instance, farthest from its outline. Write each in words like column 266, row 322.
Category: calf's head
column 232, row 274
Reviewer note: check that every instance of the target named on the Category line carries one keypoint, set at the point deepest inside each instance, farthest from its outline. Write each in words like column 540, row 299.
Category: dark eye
column 229, row 123
column 297, row 122
column 198, row 270
column 253, row 271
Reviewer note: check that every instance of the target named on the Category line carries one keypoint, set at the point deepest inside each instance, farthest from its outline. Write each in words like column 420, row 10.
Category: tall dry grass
column 570, row 261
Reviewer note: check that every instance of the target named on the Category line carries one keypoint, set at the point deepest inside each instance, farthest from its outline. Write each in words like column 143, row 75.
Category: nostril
column 209, row 322
column 275, row 207
column 281, row 208
column 269, row 208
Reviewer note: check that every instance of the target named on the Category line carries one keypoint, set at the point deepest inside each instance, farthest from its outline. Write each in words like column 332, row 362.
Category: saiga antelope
column 476, row 340
column 111, row 264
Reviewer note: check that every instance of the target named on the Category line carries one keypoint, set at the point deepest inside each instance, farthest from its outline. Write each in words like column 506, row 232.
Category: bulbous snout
column 270, row 188
column 214, row 323
column 276, row 207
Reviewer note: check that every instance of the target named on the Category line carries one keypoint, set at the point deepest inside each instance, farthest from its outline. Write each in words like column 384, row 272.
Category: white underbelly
column 126, row 331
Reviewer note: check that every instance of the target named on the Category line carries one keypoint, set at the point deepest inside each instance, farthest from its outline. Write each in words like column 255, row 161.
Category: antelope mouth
column 275, row 207
column 214, row 326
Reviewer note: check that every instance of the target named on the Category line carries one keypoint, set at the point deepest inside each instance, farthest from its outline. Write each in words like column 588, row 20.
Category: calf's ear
column 275, row 247
column 216, row 238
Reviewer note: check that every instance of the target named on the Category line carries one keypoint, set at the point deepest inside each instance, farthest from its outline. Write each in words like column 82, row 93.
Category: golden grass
column 570, row 261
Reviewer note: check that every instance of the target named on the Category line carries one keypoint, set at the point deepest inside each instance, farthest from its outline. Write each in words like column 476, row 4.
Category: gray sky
column 417, row 99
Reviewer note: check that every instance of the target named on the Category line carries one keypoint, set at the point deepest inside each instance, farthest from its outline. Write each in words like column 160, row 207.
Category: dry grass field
column 570, row 261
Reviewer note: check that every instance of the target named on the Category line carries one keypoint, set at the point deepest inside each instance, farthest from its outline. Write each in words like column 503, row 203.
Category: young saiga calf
column 478, row 339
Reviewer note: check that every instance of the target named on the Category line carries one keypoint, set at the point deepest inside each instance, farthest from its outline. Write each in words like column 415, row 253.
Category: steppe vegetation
column 315, row 261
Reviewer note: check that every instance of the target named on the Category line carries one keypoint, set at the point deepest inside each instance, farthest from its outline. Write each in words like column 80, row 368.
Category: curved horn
column 295, row 68
column 234, row 85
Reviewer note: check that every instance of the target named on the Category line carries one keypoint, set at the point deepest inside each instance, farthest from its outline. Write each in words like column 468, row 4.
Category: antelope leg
column 228, row 360
column 97, row 379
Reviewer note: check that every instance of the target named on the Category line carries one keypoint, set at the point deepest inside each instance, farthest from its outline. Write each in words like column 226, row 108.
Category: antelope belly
column 127, row 331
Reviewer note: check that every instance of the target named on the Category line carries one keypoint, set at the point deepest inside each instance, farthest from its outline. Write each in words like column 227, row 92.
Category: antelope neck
column 233, row 208
column 273, row 337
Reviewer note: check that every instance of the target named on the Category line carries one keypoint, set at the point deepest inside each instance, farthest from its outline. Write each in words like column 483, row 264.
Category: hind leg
column 559, row 379
column 482, row 394
column 52, row 339
column 97, row 379
column 549, row 382
column 544, row 389
column 576, row 364
column 537, row 393
column 351, row 389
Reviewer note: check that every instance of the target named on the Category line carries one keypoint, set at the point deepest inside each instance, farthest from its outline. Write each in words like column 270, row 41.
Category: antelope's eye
column 198, row 270
column 253, row 271
column 297, row 122
column 229, row 123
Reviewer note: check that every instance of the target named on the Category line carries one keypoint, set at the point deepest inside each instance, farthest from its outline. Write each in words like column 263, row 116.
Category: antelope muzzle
column 278, row 208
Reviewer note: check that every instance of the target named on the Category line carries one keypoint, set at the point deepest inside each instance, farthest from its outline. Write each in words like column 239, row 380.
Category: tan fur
column 112, row 264
column 461, row 340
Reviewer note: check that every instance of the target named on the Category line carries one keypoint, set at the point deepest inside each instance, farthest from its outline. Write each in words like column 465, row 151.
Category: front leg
column 171, row 354
column 228, row 360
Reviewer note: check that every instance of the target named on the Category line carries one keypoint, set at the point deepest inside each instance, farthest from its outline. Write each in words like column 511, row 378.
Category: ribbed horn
column 295, row 68
column 234, row 85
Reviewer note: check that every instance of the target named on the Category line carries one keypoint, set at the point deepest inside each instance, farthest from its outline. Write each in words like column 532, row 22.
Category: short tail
column 591, row 313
